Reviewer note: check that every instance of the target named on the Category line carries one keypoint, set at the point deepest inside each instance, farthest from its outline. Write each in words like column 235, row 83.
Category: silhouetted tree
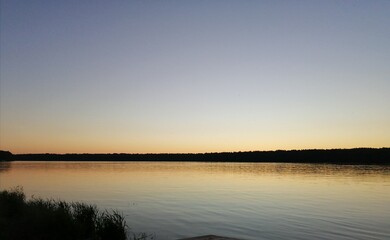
column 5, row 155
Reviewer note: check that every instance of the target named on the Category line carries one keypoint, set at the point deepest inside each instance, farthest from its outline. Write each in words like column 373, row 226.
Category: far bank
column 355, row 156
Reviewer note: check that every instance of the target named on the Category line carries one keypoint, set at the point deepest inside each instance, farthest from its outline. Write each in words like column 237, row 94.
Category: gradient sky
column 193, row 76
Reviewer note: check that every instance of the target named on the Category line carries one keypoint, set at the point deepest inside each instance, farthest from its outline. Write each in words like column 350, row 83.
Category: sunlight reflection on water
column 242, row 200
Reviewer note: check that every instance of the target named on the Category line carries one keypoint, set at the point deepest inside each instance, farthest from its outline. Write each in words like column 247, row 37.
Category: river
column 172, row 200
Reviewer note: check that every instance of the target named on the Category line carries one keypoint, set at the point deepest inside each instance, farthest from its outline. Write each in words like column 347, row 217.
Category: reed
column 55, row 219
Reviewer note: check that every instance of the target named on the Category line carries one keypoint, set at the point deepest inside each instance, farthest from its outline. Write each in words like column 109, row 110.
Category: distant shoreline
column 356, row 156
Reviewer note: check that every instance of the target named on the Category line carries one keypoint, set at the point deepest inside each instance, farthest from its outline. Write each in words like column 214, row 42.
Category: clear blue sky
column 193, row 76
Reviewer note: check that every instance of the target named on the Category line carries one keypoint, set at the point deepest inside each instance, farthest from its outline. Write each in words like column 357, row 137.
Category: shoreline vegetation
column 37, row 218
column 358, row 156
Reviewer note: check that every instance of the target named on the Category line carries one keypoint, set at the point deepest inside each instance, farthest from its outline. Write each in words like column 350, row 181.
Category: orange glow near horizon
column 56, row 146
column 70, row 137
column 40, row 138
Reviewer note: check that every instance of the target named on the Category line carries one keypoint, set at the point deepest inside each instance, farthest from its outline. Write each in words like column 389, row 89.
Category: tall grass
column 54, row 219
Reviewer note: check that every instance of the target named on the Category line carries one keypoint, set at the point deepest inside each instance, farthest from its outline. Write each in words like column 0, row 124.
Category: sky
column 193, row 76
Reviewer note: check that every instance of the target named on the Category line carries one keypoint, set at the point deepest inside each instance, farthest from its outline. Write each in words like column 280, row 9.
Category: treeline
column 6, row 156
column 379, row 156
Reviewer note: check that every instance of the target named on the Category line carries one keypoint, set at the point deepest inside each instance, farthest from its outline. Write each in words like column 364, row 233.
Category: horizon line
column 178, row 153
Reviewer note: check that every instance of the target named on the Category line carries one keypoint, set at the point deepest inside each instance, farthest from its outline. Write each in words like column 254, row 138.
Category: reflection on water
column 243, row 200
column 236, row 168
column 4, row 166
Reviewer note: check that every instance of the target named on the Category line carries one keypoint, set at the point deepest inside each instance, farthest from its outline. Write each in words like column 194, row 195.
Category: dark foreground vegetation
column 50, row 219
column 379, row 156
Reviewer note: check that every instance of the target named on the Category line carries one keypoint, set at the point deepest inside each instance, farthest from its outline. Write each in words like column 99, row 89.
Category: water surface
column 242, row 200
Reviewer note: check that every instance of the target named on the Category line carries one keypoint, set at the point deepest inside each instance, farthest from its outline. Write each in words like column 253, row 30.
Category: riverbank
column 355, row 156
